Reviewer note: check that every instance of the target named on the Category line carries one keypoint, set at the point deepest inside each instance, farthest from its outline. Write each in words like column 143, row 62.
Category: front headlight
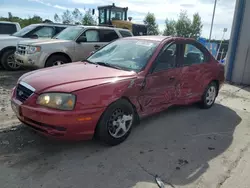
column 33, row 49
column 61, row 101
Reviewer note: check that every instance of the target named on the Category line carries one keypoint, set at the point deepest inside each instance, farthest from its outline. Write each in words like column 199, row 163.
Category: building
column 238, row 56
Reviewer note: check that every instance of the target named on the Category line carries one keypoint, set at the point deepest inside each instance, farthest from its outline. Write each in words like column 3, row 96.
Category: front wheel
column 8, row 61
column 209, row 96
column 56, row 60
column 116, row 123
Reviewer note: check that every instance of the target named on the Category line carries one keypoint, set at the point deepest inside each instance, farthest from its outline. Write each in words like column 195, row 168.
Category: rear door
column 160, row 86
column 196, row 69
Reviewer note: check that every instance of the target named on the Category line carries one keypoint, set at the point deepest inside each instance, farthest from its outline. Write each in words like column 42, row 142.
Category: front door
column 83, row 49
column 159, row 91
column 95, row 40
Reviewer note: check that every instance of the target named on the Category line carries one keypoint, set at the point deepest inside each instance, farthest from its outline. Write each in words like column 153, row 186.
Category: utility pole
column 224, row 31
column 212, row 24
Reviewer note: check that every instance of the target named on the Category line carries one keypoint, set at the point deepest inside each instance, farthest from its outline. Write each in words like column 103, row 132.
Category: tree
column 196, row 26
column 170, row 28
column 150, row 21
column 67, row 17
column 88, row 19
column 10, row 16
column 47, row 21
column 77, row 15
column 57, row 18
column 183, row 25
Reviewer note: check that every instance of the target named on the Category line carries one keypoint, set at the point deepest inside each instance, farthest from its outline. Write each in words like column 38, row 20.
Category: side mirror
column 81, row 39
column 91, row 53
column 34, row 36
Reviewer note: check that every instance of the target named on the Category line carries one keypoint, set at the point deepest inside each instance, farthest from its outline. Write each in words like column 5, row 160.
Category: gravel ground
column 7, row 82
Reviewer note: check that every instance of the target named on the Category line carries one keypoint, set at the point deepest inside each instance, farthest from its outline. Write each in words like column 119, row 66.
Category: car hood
column 7, row 37
column 43, row 41
column 73, row 76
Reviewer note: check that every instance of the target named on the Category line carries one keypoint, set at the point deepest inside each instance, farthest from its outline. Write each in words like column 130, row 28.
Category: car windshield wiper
column 88, row 61
column 108, row 65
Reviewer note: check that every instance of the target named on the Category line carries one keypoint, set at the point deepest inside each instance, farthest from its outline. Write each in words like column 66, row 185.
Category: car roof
column 150, row 37
column 53, row 24
column 158, row 38
column 101, row 27
column 7, row 22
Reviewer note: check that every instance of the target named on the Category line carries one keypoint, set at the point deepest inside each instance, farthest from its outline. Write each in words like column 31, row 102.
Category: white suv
column 72, row 44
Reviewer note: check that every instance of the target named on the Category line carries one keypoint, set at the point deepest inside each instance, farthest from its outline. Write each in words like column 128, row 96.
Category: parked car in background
column 73, row 44
column 8, row 28
column 127, row 79
column 8, row 43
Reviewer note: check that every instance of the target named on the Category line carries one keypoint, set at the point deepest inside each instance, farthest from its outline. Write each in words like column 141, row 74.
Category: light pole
column 212, row 24
column 224, row 31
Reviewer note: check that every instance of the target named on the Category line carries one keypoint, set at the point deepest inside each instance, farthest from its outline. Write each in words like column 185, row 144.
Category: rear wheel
column 56, row 60
column 116, row 122
column 8, row 61
column 209, row 96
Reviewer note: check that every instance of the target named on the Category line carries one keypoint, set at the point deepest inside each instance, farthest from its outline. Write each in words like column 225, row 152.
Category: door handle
column 97, row 46
column 171, row 78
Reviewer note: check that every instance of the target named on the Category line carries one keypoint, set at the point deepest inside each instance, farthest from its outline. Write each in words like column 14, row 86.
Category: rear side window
column 59, row 29
column 107, row 35
column 7, row 28
column 125, row 33
column 193, row 55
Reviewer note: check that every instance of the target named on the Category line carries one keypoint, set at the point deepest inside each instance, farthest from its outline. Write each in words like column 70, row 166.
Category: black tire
column 204, row 104
column 9, row 54
column 56, row 58
column 104, row 129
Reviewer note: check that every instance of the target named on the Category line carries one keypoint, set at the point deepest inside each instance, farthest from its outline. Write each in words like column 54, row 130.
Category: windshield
column 24, row 31
column 131, row 55
column 69, row 33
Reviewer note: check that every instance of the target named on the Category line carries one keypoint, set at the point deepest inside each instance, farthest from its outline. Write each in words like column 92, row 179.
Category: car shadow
column 176, row 145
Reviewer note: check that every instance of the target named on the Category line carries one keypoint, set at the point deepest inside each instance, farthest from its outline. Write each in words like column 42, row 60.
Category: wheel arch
column 137, row 117
column 59, row 53
column 6, row 49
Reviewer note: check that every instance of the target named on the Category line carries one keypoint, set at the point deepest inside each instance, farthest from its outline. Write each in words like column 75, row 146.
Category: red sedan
column 128, row 79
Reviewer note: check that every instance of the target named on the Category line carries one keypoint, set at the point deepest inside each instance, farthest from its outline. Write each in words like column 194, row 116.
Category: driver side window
column 91, row 35
column 45, row 32
column 167, row 58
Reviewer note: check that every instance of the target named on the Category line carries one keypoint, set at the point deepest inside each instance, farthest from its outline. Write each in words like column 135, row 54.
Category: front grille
column 21, row 49
column 23, row 93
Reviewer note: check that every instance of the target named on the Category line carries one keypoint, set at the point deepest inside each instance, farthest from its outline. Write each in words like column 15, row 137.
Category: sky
column 137, row 10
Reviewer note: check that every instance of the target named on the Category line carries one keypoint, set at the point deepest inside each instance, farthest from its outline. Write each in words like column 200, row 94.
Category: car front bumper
column 63, row 125
column 30, row 60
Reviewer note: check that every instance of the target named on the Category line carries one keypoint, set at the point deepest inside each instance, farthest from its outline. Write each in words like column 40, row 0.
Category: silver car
column 72, row 44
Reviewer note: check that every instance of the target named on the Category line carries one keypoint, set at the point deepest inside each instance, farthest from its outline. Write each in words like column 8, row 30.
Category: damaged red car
column 117, row 85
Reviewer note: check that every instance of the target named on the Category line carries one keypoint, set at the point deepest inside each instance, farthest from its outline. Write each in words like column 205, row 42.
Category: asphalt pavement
column 184, row 146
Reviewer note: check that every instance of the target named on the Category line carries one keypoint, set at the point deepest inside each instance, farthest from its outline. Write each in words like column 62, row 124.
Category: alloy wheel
column 119, row 123
column 56, row 63
column 12, row 63
column 210, row 96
